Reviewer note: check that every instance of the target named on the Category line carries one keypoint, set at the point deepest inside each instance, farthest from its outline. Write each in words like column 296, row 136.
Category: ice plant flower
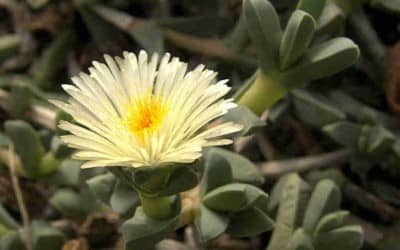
column 138, row 111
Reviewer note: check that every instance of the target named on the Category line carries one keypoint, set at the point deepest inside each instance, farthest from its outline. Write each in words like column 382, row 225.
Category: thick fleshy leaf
column 217, row 171
column 344, row 133
column 124, row 199
column 72, row 203
column 243, row 170
column 19, row 100
column 249, row 222
column 313, row 7
column 183, row 178
column 245, row 117
column 331, row 20
column 149, row 36
column 265, row 31
column 9, row 45
column 235, row 197
column 12, row 241
column 102, row 186
column 27, row 145
column 344, row 238
column 142, row 232
column 325, row 199
column 52, row 59
column 46, row 237
column 331, row 221
column 301, row 241
column 211, row 224
column 323, row 60
column 276, row 195
column 227, row 198
column 295, row 195
column 68, row 174
column 6, row 219
column 315, row 109
column 296, row 38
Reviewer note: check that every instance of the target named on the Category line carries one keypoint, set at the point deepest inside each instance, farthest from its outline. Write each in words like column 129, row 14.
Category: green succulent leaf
column 46, row 237
column 72, row 203
column 53, row 59
column 183, row 178
column 6, row 220
column 19, row 100
column 245, row 117
column 315, row 109
column 124, row 199
column 249, row 222
column 27, row 145
column 264, row 30
column 345, row 133
column 68, row 173
column 313, row 7
column 9, row 45
column 211, row 224
column 323, row 60
column 325, row 199
column 243, row 170
column 149, row 36
column 217, row 171
column 291, row 208
column 296, row 38
column 227, row 198
column 331, row 221
column 301, row 241
column 102, row 186
column 11, row 241
column 344, row 238
column 378, row 140
column 331, row 20
column 142, row 232
column 276, row 195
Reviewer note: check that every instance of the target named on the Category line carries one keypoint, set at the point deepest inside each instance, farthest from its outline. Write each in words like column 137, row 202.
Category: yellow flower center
column 146, row 115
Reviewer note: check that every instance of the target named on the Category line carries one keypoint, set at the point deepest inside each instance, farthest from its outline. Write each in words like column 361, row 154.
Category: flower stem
column 160, row 208
column 264, row 92
column 20, row 198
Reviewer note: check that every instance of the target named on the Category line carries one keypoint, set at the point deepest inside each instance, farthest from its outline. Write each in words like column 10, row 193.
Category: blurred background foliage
column 340, row 133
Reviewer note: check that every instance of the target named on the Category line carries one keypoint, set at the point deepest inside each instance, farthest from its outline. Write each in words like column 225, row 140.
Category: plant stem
column 159, row 208
column 20, row 198
column 272, row 169
column 264, row 92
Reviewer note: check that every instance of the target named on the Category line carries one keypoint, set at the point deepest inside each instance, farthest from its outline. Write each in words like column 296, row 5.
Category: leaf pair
column 237, row 208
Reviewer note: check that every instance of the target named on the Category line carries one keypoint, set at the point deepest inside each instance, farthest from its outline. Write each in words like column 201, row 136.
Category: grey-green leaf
column 27, row 145
column 243, row 170
column 142, row 232
column 344, row 238
column 292, row 205
column 323, row 60
column 296, row 38
column 46, row 237
column 301, row 241
column 217, row 171
column 102, row 186
column 211, row 223
column 249, row 222
column 245, row 117
column 9, row 45
column 345, row 133
column 6, row 219
column 325, row 199
column 11, row 241
column 264, row 30
column 72, row 203
column 227, row 198
column 313, row 7
column 315, row 109
column 124, row 199
column 331, row 221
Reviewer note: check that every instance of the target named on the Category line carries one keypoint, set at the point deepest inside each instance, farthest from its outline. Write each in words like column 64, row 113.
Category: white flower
column 134, row 112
